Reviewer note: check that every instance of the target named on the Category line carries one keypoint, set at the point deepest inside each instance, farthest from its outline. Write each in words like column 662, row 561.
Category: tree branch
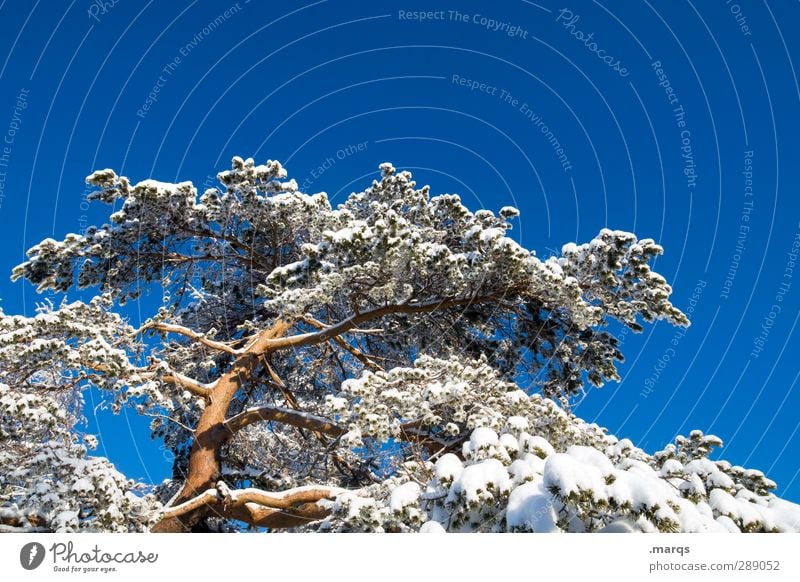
column 284, row 416
column 268, row 342
column 284, row 499
column 256, row 515
column 287, row 394
column 20, row 522
column 365, row 359
column 166, row 417
column 175, row 378
column 288, row 508
column 193, row 335
column 205, row 498
column 181, row 381
column 410, row 432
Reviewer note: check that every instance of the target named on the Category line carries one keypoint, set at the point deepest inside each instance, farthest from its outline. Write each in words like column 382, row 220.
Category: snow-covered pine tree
column 395, row 363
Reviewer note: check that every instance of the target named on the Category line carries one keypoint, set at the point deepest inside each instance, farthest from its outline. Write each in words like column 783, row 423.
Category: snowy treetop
column 397, row 362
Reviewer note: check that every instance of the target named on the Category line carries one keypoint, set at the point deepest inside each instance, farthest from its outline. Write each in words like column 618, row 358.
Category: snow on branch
column 227, row 500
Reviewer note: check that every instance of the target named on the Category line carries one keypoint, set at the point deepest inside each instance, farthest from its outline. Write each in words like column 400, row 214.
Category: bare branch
column 174, row 378
column 287, row 394
column 259, row 516
column 319, row 325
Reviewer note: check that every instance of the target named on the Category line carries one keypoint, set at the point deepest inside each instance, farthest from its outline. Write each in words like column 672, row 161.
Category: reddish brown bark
column 212, row 431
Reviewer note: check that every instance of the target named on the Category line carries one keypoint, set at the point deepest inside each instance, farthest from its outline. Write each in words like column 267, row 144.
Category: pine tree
column 395, row 363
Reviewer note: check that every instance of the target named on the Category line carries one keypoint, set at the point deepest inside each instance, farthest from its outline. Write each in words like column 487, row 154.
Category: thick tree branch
column 210, row 496
column 254, row 344
column 259, row 516
column 284, row 416
column 269, row 343
column 284, row 499
column 288, row 508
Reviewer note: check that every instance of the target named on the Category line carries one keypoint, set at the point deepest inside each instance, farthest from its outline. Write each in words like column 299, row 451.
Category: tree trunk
column 210, row 435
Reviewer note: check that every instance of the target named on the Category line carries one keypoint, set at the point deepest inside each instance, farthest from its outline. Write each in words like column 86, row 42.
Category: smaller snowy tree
column 394, row 363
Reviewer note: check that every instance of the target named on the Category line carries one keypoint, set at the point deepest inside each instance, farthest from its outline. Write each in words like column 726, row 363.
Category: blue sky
column 674, row 120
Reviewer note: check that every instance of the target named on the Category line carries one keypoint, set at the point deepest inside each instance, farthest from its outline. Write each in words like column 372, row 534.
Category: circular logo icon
column 31, row 555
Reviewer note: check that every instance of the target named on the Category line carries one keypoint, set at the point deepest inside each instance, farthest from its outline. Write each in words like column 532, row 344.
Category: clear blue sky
column 657, row 107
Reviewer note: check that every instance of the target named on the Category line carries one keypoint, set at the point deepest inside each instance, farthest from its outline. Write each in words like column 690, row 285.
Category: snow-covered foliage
column 527, row 465
column 236, row 260
column 48, row 481
column 396, row 362
column 56, row 486
column 440, row 401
